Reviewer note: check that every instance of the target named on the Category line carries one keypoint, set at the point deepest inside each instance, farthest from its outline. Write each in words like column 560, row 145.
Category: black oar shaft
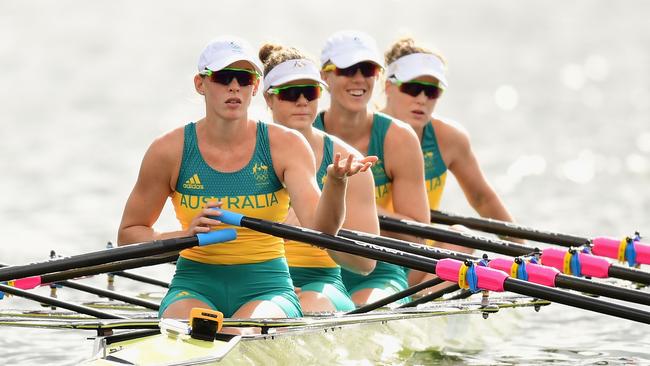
column 108, row 267
column 100, row 257
column 504, row 247
column 143, row 279
column 629, row 273
column 566, row 298
column 110, row 294
column 561, row 280
column 59, row 303
column 449, row 236
column 429, row 265
column 397, row 296
column 507, row 228
column 430, row 297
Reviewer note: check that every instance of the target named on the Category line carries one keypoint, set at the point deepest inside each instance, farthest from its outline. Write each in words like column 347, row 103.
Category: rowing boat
column 368, row 334
column 324, row 339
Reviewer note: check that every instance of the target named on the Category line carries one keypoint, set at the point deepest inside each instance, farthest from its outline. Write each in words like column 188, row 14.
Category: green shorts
column 327, row 281
column 227, row 287
column 388, row 277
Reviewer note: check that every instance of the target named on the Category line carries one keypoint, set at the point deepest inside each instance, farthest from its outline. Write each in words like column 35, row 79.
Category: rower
column 351, row 64
column 293, row 86
column 415, row 81
column 227, row 160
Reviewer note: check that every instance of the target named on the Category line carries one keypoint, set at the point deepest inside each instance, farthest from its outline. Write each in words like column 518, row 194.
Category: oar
column 568, row 261
column 35, row 281
column 117, row 254
column 396, row 296
column 628, row 249
column 517, row 268
column 110, row 294
column 51, row 301
column 431, row 296
column 143, row 279
column 137, row 277
column 448, row 269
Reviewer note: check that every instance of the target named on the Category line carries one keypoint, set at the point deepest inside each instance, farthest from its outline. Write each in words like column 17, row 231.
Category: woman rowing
column 351, row 63
column 226, row 160
column 415, row 81
column 292, row 87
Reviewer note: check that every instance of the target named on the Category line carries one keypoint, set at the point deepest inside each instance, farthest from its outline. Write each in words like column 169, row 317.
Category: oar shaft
column 398, row 296
column 557, row 280
column 507, row 228
column 466, row 239
column 429, row 265
column 431, row 296
column 143, row 279
column 629, row 273
column 117, row 254
column 592, row 265
column 567, row 298
column 110, row 294
column 59, row 303
column 108, row 267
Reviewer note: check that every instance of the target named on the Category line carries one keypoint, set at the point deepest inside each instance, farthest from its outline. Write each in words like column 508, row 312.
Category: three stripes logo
column 193, row 183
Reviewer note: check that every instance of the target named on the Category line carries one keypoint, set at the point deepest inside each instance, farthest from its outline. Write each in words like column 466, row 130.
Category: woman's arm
column 156, row 179
column 294, row 161
column 463, row 164
column 361, row 213
column 405, row 165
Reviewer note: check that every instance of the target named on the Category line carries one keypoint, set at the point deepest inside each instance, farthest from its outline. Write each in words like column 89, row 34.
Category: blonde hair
column 407, row 46
column 272, row 55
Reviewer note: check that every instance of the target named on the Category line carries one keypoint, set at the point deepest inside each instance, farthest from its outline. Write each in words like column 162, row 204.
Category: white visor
column 411, row 66
column 346, row 48
column 292, row 70
column 223, row 51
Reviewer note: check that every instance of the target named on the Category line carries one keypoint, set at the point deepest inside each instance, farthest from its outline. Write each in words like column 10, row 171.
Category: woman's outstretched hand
column 343, row 168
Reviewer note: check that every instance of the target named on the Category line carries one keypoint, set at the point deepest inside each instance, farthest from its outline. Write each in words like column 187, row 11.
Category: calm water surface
column 555, row 96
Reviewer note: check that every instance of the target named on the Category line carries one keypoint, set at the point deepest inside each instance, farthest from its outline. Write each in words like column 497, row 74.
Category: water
column 554, row 95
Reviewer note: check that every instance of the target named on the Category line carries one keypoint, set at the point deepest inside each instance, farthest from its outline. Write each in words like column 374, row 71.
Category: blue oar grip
column 229, row 218
column 216, row 236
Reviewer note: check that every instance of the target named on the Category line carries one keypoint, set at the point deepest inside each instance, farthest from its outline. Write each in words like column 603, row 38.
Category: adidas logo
column 193, row 183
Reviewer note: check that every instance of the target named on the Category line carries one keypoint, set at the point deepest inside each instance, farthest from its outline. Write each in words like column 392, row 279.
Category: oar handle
column 216, row 236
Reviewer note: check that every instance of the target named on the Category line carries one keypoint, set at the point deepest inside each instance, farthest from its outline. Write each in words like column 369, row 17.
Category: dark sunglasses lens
column 368, row 69
column 310, row 92
column 225, row 77
column 414, row 89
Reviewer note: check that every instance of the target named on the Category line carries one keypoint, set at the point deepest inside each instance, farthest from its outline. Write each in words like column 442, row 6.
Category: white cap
column 411, row 66
column 225, row 50
column 292, row 70
column 346, row 48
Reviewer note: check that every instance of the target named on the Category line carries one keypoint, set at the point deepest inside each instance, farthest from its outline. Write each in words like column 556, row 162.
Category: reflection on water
column 556, row 101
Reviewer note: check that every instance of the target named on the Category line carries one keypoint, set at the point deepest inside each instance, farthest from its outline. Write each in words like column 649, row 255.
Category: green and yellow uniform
column 252, row 267
column 311, row 268
column 435, row 170
column 389, row 277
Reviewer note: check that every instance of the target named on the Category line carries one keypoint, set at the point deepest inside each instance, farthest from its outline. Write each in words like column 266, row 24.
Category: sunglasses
column 368, row 69
column 414, row 88
column 224, row 76
column 291, row 93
